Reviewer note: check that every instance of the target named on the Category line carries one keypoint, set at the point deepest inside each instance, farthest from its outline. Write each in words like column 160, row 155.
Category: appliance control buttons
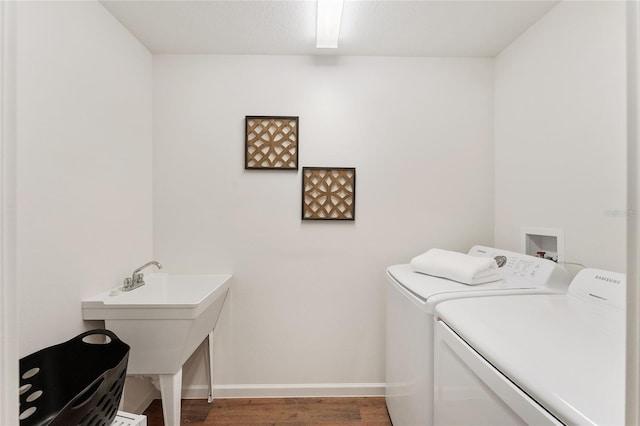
column 501, row 261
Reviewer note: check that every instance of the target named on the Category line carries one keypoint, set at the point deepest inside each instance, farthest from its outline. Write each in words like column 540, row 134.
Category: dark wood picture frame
column 271, row 142
column 328, row 193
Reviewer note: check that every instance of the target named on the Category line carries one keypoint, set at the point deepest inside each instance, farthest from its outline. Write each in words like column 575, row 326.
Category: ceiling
column 455, row 28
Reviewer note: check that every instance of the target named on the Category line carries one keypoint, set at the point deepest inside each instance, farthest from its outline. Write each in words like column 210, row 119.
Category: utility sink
column 163, row 322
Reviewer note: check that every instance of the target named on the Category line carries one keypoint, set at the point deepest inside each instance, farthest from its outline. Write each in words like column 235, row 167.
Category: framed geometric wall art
column 328, row 193
column 271, row 142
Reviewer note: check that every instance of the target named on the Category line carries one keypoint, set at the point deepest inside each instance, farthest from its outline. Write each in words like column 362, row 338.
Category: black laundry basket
column 74, row 383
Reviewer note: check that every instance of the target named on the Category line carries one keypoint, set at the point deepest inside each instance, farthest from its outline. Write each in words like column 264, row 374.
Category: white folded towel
column 466, row 269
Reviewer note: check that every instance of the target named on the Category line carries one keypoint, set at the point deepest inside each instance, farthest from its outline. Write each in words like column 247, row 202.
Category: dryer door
column 469, row 390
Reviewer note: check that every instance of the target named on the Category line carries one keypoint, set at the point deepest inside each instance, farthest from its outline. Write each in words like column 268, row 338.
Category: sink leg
column 171, row 390
column 208, row 363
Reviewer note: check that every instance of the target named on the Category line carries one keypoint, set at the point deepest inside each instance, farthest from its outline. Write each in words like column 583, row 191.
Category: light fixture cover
column 328, row 26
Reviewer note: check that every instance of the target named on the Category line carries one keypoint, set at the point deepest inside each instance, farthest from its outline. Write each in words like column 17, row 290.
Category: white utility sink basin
column 164, row 321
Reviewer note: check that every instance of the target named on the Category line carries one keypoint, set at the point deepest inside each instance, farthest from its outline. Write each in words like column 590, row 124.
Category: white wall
column 632, row 412
column 8, row 311
column 84, row 205
column 307, row 303
column 560, row 132
column 307, row 306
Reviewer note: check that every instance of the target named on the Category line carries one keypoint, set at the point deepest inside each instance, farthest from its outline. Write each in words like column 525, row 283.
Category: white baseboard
column 285, row 390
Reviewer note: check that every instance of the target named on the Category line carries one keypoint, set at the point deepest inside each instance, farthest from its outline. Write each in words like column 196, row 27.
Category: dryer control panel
column 518, row 266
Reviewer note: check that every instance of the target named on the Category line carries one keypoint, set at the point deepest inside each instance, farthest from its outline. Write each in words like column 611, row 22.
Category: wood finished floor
column 278, row 411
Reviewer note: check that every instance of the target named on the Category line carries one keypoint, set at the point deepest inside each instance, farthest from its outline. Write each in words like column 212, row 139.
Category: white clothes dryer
column 535, row 359
column 410, row 302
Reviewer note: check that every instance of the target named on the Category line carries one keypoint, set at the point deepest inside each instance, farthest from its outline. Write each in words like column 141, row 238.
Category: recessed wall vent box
column 544, row 242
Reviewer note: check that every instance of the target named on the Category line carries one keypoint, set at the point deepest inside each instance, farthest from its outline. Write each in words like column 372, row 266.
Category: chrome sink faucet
column 137, row 278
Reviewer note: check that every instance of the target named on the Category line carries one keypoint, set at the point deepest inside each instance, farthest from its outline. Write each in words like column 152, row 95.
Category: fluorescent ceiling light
column 328, row 29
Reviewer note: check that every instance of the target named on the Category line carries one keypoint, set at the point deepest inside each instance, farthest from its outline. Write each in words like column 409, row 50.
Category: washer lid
column 518, row 271
column 426, row 286
column 565, row 352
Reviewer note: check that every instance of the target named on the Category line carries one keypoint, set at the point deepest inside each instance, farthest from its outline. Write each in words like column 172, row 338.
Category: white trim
column 285, row 390
column 309, row 390
column 8, row 299
column 632, row 410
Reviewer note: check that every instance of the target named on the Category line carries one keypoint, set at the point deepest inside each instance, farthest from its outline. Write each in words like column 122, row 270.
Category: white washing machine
column 410, row 302
column 536, row 359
